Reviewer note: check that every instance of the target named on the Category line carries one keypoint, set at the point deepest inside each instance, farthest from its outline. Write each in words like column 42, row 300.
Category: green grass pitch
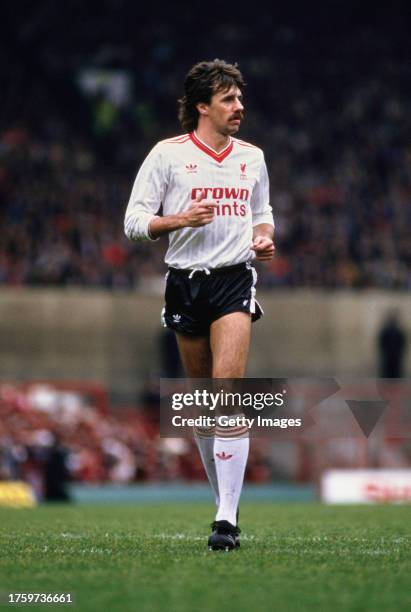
column 153, row 558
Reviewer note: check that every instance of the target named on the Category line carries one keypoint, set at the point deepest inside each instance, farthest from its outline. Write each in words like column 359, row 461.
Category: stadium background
column 87, row 88
column 86, row 92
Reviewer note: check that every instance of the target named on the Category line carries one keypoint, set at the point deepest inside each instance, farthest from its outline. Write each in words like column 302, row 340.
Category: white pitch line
column 184, row 536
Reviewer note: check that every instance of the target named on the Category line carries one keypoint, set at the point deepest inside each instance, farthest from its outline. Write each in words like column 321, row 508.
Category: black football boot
column 223, row 536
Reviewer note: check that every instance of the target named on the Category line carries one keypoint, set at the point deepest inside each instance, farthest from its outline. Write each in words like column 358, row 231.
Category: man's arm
column 201, row 212
column 263, row 223
column 263, row 241
column 147, row 194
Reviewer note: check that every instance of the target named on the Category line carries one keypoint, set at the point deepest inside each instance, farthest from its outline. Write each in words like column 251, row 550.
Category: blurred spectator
column 392, row 344
column 56, row 473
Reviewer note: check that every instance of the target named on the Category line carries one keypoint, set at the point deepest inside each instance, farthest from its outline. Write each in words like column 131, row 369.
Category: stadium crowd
column 50, row 437
column 331, row 115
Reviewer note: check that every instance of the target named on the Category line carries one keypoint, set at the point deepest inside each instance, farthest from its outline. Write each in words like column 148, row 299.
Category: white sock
column 206, row 447
column 231, row 459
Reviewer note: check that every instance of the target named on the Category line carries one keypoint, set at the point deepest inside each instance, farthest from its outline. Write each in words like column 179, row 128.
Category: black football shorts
column 196, row 298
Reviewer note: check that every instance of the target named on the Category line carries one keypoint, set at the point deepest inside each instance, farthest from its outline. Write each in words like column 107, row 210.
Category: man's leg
column 197, row 361
column 230, row 341
column 196, row 355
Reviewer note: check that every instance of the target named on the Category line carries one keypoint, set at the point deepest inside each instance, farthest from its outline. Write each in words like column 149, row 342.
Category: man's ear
column 202, row 108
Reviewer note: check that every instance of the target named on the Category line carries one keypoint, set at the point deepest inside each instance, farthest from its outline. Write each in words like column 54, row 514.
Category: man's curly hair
column 201, row 83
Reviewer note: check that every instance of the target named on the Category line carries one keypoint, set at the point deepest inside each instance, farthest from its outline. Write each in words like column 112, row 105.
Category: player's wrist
column 182, row 220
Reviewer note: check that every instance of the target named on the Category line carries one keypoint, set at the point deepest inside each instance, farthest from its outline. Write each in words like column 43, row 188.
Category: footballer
column 213, row 190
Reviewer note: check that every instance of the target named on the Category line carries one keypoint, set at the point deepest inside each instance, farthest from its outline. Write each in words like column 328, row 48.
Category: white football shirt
column 174, row 174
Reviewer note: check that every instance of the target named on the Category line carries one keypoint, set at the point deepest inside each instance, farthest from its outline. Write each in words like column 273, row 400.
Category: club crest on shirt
column 243, row 174
column 191, row 168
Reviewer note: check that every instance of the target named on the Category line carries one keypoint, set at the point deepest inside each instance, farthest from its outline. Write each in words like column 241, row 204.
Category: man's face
column 225, row 111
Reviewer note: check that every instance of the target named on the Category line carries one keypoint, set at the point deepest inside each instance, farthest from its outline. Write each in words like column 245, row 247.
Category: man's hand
column 201, row 212
column 263, row 248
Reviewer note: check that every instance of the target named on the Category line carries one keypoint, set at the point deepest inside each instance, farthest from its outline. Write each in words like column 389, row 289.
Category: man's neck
column 213, row 139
